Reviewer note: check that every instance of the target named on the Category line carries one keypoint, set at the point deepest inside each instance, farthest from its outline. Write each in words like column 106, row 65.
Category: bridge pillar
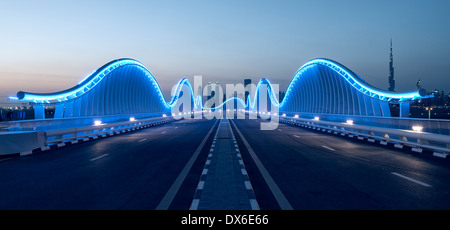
column 404, row 109
column 385, row 109
column 68, row 109
column 376, row 107
column 59, row 111
column 39, row 112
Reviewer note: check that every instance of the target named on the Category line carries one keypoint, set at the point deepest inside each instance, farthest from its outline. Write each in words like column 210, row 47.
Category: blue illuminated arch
column 123, row 86
column 325, row 86
column 127, row 86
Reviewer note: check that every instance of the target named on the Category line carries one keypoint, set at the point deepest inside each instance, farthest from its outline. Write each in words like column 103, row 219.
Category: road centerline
column 165, row 202
column 276, row 191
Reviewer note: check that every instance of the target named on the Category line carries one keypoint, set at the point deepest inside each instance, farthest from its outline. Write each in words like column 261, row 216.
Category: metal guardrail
column 417, row 140
column 74, row 134
column 45, row 140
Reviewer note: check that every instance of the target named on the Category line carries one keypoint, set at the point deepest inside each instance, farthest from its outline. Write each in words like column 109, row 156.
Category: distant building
column 246, row 82
column 419, row 84
column 281, row 96
column 391, row 72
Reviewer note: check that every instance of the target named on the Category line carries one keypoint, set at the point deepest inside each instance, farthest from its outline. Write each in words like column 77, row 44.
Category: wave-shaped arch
column 325, row 86
column 320, row 85
column 122, row 86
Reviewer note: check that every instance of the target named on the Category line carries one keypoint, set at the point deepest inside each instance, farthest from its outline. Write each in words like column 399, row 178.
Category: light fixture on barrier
column 350, row 122
column 164, row 115
column 132, row 119
column 296, row 116
column 284, row 114
column 97, row 123
column 417, row 128
column 316, row 118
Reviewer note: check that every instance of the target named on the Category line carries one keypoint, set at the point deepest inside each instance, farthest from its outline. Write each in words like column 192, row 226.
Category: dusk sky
column 48, row 46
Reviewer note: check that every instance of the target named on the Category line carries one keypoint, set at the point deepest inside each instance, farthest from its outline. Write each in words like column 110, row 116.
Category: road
column 322, row 171
column 127, row 171
column 160, row 167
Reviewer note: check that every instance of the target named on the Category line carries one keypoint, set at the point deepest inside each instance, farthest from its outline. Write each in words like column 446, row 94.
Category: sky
column 49, row 46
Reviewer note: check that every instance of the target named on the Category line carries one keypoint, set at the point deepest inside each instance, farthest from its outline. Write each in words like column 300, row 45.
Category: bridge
column 114, row 142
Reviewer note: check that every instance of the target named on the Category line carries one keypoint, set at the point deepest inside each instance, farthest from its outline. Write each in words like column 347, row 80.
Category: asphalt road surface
column 160, row 167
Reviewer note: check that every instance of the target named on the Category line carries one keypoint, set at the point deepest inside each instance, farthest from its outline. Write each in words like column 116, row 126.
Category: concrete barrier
column 21, row 143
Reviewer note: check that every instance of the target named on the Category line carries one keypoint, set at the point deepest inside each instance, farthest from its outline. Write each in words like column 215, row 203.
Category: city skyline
column 51, row 46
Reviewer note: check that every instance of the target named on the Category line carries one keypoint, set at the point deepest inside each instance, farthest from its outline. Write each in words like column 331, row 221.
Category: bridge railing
column 12, row 142
column 100, row 130
column 416, row 140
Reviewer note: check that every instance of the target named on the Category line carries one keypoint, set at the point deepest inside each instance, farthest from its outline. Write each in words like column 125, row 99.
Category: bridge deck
column 224, row 183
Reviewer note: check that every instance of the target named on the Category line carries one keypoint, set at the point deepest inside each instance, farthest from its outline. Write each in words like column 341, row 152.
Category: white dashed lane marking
column 411, row 179
column 96, row 158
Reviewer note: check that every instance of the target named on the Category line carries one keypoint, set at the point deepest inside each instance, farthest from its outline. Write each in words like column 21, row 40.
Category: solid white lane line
column 163, row 132
column 280, row 130
column 296, row 136
column 142, row 140
column 411, row 179
column 331, row 149
column 96, row 158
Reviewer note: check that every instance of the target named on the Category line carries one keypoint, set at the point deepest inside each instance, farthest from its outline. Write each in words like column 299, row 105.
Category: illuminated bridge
column 115, row 142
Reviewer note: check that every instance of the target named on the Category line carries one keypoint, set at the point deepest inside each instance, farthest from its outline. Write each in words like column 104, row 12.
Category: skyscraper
column 391, row 72
column 246, row 82
column 419, row 84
